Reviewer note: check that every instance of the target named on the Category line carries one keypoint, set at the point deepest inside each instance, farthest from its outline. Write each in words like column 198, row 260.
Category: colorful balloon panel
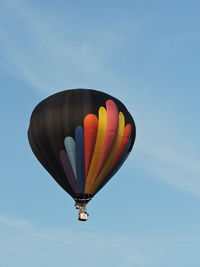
column 81, row 137
column 90, row 134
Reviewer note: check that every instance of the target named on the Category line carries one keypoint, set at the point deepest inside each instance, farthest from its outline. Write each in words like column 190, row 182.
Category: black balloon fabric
column 81, row 137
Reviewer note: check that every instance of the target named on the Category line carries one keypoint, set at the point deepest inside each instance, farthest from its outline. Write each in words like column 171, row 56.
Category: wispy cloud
column 59, row 246
column 164, row 154
column 28, row 243
column 46, row 54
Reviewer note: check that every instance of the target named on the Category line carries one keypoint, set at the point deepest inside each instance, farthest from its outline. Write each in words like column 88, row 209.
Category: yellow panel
column 102, row 124
column 112, row 154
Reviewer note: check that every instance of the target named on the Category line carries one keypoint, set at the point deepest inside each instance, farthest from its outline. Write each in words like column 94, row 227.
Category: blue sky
column 145, row 53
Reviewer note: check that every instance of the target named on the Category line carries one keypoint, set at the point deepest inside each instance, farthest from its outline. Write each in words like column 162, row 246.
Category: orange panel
column 102, row 122
column 90, row 134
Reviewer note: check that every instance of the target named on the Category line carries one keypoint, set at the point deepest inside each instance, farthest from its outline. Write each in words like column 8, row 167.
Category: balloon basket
column 82, row 214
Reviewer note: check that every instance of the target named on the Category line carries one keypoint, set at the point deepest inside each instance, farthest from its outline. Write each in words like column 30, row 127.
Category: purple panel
column 68, row 171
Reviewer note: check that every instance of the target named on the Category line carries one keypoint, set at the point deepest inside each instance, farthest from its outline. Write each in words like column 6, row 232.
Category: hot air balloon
column 81, row 137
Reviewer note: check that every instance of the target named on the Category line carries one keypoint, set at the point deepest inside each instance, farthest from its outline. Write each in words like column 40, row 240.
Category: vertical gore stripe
column 90, row 134
column 114, row 170
column 111, row 131
column 80, row 162
column 102, row 123
column 112, row 155
column 70, row 148
column 68, row 171
column 123, row 145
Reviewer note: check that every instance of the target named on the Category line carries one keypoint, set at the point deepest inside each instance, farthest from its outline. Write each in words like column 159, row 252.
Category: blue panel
column 70, row 148
column 80, row 159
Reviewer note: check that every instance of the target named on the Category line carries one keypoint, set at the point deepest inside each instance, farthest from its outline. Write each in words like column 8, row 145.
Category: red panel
column 90, row 134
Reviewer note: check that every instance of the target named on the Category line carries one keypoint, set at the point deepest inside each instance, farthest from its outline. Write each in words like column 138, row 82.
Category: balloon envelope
column 81, row 137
